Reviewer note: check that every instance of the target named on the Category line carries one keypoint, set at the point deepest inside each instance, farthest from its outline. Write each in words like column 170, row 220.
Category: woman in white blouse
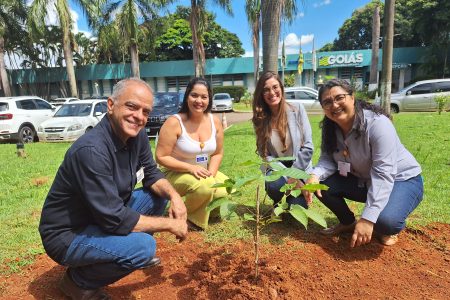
column 190, row 150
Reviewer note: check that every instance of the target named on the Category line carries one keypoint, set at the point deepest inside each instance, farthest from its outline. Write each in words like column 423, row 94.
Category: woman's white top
column 188, row 150
column 275, row 139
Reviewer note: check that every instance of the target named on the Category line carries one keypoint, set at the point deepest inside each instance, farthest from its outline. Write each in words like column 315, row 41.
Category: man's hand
column 179, row 228
column 362, row 234
column 307, row 194
column 177, row 208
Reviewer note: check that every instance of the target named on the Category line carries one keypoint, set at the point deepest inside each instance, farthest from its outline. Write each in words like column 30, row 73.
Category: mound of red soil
column 305, row 266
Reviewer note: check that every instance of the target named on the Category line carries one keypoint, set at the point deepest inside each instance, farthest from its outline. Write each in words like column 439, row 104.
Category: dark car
column 164, row 105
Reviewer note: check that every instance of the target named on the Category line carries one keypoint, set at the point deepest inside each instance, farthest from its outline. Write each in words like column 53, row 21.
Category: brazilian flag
column 300, row 62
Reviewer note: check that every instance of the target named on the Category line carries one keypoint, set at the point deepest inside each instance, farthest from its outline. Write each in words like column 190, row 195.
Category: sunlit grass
column 24, row 182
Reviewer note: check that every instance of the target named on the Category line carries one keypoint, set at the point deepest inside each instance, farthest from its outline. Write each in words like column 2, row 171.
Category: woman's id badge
column 344, row 168
column 202, row 159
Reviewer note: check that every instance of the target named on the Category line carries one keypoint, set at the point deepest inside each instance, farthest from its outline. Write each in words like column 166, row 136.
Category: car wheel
column 26, row 134
column 394, row 109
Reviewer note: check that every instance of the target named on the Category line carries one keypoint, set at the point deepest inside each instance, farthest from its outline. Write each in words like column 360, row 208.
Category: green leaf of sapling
column 315, row 216
column 278, row 210
column 298, row 214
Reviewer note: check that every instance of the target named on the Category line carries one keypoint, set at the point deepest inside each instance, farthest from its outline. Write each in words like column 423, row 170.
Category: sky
column 316, row 19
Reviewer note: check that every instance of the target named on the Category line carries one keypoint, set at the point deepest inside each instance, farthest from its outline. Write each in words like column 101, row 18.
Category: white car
column 61, row 101
column 418, row 96
column 21, row 116
column 222, row 102
column 72, row 120
column 309, row 97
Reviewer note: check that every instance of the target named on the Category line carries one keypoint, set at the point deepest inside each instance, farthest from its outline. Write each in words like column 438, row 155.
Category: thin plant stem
column 257, row 235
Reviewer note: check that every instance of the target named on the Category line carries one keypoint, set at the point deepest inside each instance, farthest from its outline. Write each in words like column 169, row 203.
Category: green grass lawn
column 241, row 107
column 24, row 182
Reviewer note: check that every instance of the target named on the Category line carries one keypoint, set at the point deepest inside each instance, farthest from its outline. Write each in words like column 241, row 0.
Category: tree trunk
column 69, row 62
column 388, row 42
column 3, row 74
column 373, row 80
column 271, row 16
column 198, row 51
column 255, row 41
column 134, row 61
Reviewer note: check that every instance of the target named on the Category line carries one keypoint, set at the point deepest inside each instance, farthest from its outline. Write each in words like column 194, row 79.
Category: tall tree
column 40, row 9
column 388, row 45
column 253, row 11
column 12, row 16
column 176, row 42
column 272, row 13
column 431, row 20
column 198, row 23
column 373, row 78
column 125, row 16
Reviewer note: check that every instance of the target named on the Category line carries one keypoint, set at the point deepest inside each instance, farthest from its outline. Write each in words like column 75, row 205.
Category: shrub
column 247, row 98
column 441, row 101
column 289, row 80
column 236, row 91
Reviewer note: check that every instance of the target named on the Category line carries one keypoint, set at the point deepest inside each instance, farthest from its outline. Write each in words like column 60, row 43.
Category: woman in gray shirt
column 362, row 159
column 282, row 130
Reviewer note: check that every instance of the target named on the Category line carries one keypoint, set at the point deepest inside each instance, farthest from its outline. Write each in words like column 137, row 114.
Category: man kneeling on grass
column 92, row 220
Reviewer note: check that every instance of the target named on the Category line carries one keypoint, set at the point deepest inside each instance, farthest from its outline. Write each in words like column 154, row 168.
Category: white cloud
column 292, row 42
column 300, row 15
column 322, row 3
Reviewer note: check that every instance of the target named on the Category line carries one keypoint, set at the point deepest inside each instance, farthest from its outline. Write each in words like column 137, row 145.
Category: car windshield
column 221, row 97
column 74, row 110
column 166, row 100
column 405, row 88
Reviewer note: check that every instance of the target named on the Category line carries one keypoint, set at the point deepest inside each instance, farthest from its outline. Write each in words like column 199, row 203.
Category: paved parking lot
column 235, row 117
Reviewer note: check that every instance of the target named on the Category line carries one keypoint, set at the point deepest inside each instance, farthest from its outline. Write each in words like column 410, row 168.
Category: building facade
column 174, row 75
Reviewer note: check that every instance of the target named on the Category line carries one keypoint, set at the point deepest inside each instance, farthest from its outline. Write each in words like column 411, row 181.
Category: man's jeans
column 96, row 258
column 404, row 198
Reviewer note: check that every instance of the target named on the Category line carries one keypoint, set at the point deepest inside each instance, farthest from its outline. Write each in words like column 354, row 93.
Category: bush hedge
column 236, row 91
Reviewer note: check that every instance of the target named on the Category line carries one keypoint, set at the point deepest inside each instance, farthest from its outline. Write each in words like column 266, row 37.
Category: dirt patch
column 305, row 266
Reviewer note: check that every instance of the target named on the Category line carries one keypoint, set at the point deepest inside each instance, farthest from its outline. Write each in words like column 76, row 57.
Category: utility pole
column 373, row 80
column 388, row 44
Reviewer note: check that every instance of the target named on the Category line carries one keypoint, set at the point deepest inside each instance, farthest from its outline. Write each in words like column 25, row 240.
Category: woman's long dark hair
column 197, row 80
column 262, row 115
column 329, row 139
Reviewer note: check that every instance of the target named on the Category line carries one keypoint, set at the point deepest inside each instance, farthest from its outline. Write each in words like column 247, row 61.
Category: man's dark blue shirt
column 93, row 185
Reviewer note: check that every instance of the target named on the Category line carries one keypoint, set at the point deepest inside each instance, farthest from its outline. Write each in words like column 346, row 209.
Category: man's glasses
column 275, row 89
column 338, row 99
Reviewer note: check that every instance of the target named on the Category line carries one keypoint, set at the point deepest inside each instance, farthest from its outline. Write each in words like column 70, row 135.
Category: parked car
column 21, row 116
column 61, row 101
column 222, row 102
column 72, row 120
column 309, row 97
column 96, row 97
column 418, row 96
column 165, row 104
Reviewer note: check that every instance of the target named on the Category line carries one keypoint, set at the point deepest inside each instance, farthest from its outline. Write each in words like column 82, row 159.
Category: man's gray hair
column 120, row 86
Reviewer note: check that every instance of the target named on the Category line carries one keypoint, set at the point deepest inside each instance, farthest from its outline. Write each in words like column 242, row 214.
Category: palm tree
column 197, row 21
column 124, row 16
column 12, row 15
column 253, row 11
column 272, row 11
column 39, row 9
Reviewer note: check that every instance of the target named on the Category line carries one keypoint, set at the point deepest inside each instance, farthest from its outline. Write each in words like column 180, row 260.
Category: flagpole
column 283, row 62
column 314, row 63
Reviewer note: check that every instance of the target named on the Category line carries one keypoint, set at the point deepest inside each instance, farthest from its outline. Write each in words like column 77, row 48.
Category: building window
column 174, row 84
